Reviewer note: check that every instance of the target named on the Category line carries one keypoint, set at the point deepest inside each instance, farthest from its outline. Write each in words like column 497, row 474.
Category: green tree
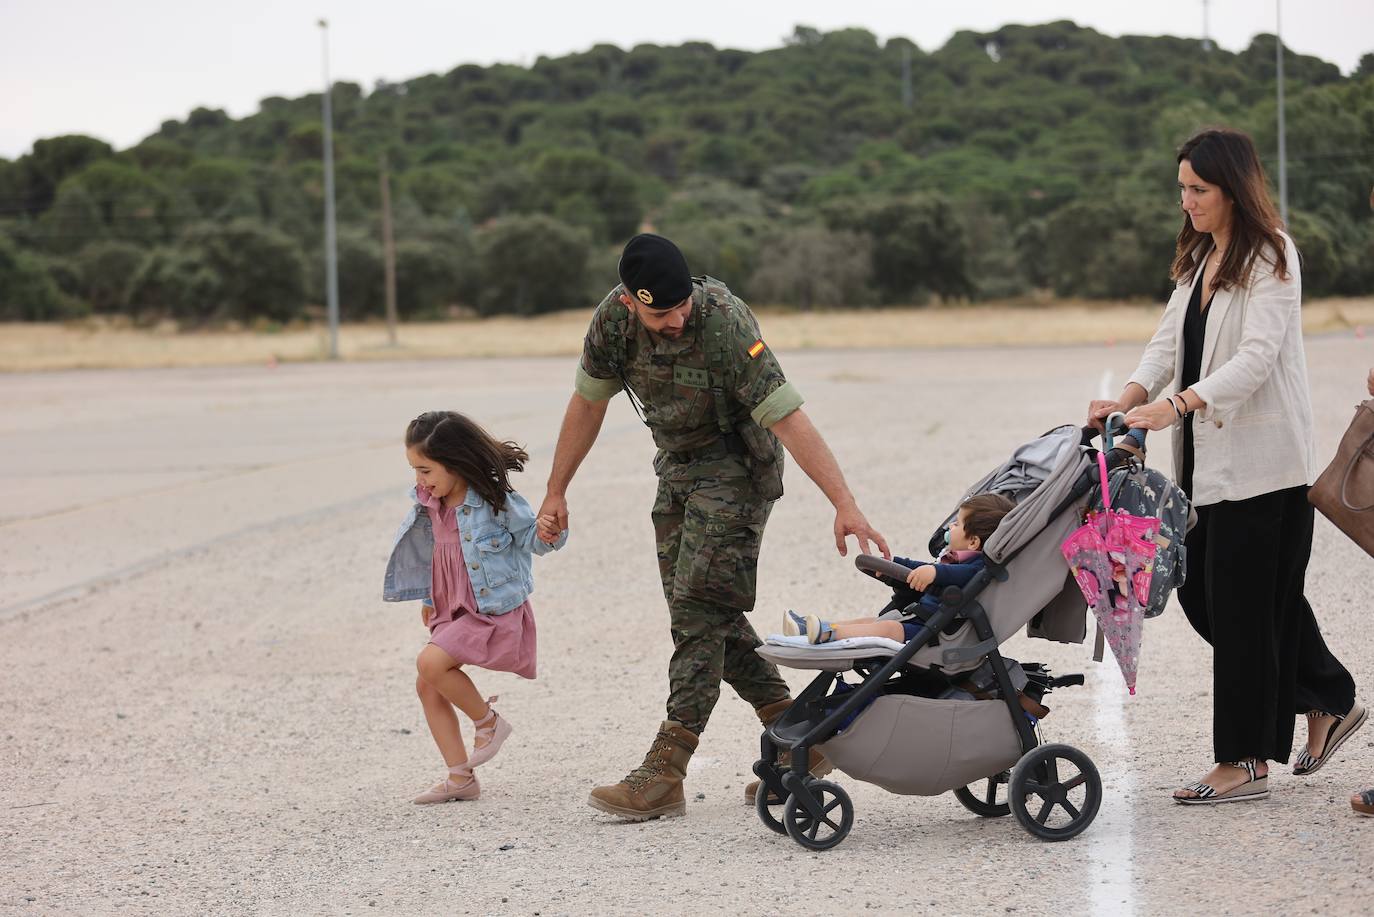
column 361, row 274
column 27, row 292
column 429, row 277
column 254, row 271
column 106, row 270
column 531, row 264
column 108, row 200
column 438, row 190
column 52, row 162
column 811, row 266
column 220, row 189
column 1112, row 248
column 174, row 283
column 918, row 245
column 605, row 190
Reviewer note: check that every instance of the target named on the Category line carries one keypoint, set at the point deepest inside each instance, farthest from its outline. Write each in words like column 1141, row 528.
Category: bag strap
column 619, row 325
column 1350, row 470
column 715, row 342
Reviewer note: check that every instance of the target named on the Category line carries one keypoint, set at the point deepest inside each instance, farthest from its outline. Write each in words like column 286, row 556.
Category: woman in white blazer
column 1231, row 341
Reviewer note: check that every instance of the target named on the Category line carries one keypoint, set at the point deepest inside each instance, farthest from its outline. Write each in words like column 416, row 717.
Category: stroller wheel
column 823, row 819
column 769, row 808
column 982, row 798
column 1055, row 792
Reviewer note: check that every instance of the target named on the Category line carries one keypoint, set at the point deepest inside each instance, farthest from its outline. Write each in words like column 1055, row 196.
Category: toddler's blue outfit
column 955, row 568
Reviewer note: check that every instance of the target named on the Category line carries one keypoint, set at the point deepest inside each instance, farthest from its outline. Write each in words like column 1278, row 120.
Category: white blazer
column 1254, row 435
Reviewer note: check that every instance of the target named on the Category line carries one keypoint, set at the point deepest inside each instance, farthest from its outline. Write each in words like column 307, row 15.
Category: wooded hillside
column 833, row 171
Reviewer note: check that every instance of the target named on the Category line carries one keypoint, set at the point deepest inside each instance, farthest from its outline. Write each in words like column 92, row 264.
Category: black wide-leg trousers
column 1247, row 562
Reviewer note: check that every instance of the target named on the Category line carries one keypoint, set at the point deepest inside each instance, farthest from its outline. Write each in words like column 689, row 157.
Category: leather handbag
column 1345, row 491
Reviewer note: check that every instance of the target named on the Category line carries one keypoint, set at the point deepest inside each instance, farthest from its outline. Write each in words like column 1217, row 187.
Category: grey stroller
column 897, row 729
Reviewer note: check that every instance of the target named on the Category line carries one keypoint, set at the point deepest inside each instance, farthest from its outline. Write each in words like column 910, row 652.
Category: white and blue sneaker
column 818, row 631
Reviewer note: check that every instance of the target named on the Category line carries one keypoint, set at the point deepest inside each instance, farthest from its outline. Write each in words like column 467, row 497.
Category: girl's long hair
column 460, row 445
column 1227, row 158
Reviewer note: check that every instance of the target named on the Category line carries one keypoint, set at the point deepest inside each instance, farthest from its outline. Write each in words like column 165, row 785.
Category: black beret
column 654, row 271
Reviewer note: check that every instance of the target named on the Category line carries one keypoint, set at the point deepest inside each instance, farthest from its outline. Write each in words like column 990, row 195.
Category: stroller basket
column 921, row 746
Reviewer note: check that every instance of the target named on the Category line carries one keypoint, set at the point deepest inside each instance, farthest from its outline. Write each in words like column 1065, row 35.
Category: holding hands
column 552, row 517
column 548, row 529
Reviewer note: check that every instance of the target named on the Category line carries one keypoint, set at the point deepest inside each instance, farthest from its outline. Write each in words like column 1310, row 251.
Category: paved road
column 206, row 707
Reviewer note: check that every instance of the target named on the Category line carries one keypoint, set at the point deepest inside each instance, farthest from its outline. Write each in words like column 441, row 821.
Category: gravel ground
column 207, row 708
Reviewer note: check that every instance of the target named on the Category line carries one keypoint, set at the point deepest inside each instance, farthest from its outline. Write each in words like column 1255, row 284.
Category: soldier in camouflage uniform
column 689, row 355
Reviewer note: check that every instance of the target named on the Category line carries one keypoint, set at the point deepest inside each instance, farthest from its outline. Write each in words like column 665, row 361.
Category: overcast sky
column 118, row 70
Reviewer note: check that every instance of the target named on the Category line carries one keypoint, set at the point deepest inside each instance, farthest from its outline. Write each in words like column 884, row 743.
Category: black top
column 1194, row 334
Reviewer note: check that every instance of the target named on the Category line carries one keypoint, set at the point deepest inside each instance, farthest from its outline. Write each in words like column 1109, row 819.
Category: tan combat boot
column 820, row 765
column 654, row 788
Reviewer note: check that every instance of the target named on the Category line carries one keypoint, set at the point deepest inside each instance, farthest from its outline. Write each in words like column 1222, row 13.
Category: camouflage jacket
column 676, row 380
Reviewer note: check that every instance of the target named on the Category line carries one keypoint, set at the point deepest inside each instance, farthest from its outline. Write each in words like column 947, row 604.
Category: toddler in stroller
column 900, row 727
column 976, row 519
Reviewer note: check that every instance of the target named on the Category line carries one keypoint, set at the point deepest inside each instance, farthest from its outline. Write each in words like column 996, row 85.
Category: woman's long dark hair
column 460, row 445
column 1227, row 158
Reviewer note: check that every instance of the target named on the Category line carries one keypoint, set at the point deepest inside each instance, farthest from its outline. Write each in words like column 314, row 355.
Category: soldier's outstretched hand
column 850, row 521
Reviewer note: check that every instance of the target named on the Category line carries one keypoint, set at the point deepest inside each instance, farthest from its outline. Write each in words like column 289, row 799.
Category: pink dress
column 502, row 643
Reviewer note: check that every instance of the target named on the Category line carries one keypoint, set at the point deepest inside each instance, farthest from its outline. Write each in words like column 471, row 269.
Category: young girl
column 465, row 550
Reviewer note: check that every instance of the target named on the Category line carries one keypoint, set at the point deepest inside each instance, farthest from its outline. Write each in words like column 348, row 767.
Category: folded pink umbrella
column 1112, row 557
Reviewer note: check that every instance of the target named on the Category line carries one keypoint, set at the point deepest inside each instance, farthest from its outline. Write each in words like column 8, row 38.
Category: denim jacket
column 496, row 547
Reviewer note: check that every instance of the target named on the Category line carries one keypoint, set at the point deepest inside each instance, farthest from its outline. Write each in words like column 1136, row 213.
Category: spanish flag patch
column 756, row 348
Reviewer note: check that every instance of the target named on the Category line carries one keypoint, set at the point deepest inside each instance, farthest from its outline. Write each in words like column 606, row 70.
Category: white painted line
column 1111, row 837
column 1112, row 885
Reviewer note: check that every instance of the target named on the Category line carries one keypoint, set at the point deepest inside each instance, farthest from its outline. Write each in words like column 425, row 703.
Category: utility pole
column 331, row 251
column 1283, row 142
column 388, row 255
column 1206, row 26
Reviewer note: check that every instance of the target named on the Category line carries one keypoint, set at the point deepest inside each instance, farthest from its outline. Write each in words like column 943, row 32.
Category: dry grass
column 26, row 347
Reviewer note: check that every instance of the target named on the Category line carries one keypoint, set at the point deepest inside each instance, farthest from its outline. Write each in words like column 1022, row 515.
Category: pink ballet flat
column 447, row 790
column 494, row 729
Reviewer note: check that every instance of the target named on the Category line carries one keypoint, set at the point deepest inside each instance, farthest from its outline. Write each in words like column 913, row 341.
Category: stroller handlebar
column 1114, row 426
column 884, row 571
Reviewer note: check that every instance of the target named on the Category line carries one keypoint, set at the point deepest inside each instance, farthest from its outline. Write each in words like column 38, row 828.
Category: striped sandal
column 1363, row 803
column 1342, row 729
column 1253, row 788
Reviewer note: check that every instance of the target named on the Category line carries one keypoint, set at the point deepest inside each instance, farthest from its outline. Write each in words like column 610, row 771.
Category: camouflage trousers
column 709, row 527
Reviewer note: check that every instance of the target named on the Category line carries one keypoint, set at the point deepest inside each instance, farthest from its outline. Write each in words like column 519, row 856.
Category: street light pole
column 331, row 254
column 1283, row 143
